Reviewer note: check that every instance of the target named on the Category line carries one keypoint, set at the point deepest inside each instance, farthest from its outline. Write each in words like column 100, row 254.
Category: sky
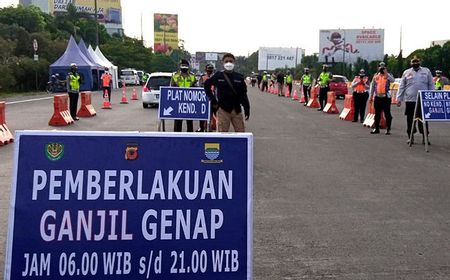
column 241, row 27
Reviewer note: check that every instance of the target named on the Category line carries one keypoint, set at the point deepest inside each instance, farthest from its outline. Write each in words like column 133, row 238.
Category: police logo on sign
column 131, row 152
column 54, row 151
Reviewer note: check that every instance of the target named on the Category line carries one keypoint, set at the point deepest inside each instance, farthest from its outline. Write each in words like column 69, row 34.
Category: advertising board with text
column 130, row 206
column 165, row 28
column 109, row 11
column 274, row 58
column 177, row 103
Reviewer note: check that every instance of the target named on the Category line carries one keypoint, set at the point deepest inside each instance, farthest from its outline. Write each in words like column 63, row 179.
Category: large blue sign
column 131, row 206
column 435, row 105
column 183, row 104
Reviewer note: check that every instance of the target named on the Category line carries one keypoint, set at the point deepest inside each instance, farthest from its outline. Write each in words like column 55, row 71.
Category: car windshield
column 127, row 73
column 339, row 79
column 156, row 82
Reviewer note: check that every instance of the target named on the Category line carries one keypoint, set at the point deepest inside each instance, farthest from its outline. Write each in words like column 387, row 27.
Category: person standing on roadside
column 289, row 80
column 280, row 83
column 306, row 83
column 379, row 87
column 265, row 81
column 106, row 83
column 231, row 96
column 209, row 69
column 324, row 84
column 183, row 78
column 414, row 79
column 360, row 87
column 74, row 81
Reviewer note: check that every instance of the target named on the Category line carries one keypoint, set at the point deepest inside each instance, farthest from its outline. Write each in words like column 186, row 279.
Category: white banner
column 211, row 56
column 346, row 45
column 273, row 58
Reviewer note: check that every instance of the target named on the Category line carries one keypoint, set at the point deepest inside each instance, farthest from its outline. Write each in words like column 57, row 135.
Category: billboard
column 273, row 58
column 165, row 33
column 346, row 45
column 131, row 206
column 109, row 11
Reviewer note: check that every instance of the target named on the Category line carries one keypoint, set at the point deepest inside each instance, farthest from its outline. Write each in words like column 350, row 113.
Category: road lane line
column 29, row 100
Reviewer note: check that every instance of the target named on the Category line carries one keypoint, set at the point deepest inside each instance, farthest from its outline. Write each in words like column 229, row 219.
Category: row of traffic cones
column 124, row 100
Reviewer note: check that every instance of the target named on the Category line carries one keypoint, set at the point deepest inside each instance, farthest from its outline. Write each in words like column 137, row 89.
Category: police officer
column 360, row 87
column 438, row 80
column 289, row 80
column 414, row 79
column 306, row 83
column 74, row 81
column 231, row 95
column 183, row 78
column 379, row 87
column 209, row 70
column 265, row 81
column 324, row 84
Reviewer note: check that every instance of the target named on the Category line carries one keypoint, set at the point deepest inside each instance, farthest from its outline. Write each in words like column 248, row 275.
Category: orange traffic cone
column 295, row 96
column 124, row 97
column 106, row 103
column 134, row 95
column 302, row 100
column 287, row 93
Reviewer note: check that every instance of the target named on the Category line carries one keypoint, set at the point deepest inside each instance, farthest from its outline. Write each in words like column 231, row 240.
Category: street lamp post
column 96, row 21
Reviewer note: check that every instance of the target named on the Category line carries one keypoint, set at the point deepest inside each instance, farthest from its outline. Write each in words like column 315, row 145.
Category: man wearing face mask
column 74, row 82
column 324, row 84
column 183, row 78
column 231, row 96
column 209, row 69
column 306, row 82
column 414, row 79
column 379, row 88
column 360, row 87
column 106, row 83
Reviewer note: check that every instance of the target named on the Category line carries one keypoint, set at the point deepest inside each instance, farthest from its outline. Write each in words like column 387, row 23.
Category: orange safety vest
column 106, row 78
column 361, row 87
column 381, row 81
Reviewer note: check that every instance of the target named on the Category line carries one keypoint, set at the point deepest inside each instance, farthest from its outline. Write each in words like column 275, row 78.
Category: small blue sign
column 435, row 105
column 177, row 103
column 131, row 206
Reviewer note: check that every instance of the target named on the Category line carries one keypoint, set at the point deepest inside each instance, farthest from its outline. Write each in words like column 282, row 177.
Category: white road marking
column 29, row 100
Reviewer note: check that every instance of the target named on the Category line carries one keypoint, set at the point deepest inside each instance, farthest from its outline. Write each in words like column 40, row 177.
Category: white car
column 130, row 77
column 150, row 92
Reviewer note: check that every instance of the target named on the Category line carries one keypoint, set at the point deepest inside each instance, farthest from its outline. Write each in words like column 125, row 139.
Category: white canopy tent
column 114, row 70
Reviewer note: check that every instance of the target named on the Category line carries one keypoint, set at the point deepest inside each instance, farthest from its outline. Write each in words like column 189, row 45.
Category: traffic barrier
column 86, row 108
column 61, row 115
column 134, row 95
column 5, row 134
column 287, row 93
column 124, row 99
column 295, row 95
column 349, row 111
column 369, row 121
column 106, row 103
column 313, row 101
column 330, row 107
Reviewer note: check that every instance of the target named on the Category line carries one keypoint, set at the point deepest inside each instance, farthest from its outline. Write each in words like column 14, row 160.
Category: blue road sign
column 435, row 105
column 183, row 104
column 131, row 206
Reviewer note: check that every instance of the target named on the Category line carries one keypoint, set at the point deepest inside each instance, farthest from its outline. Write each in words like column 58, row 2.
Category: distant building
column 438, row 43
column 109, row 11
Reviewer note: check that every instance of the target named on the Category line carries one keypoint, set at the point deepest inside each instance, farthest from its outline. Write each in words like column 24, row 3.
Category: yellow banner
column 165, row 33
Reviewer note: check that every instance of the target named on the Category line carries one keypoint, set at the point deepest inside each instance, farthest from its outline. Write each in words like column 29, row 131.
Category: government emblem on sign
column 54, row 151
column 131, row 152
column 212, row 153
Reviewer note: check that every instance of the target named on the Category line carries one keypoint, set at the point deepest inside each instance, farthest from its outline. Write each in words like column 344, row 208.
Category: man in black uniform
column 231, row 95
column 280, row 83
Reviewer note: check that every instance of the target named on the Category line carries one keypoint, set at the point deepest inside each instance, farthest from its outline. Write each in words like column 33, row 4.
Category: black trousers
column 306, row 92
column 264, row 86
column 290, row 88
column 323, row 96
column 178, row 125
column 73, row 103
column 359, row 104
column 108, row 89
column 382, row 104
column 409, row 113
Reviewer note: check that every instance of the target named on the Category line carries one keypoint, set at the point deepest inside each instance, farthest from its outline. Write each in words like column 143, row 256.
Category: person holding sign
column 414, row 79
column 231, row 95
column 379, row 87
column 183, row 78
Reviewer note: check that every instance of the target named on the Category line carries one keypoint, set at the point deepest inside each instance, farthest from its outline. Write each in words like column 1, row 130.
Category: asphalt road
column 331, row 201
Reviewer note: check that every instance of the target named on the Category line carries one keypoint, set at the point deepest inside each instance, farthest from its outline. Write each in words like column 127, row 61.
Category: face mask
column 229, row 66
column 209, row 72
column 415, row 65
column 184, row 69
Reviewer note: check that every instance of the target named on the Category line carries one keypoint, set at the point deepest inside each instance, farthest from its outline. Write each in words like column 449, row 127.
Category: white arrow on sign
column 167, row 111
